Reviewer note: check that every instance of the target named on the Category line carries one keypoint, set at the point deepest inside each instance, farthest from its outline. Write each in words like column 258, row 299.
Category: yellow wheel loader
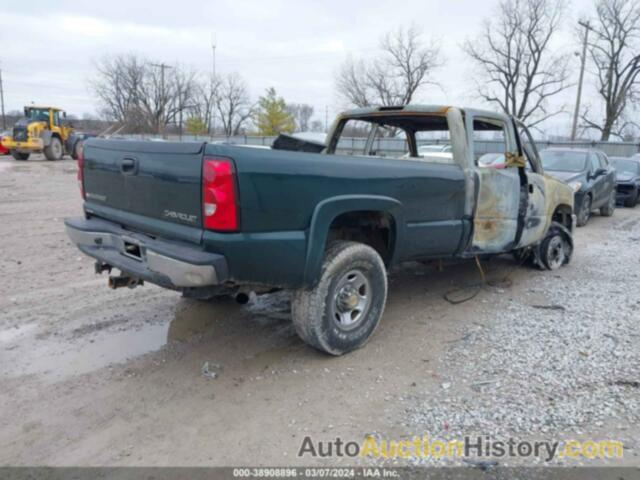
column 42, row 130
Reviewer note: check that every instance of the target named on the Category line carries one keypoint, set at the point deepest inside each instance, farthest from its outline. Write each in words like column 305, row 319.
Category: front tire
column 53, row 151
column 342, row 311
column 608, row 209
column 19, row 156
column 556, row 248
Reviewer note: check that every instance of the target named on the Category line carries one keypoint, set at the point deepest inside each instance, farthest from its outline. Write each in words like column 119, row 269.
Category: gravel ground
column 561, row 360
column 142, row 377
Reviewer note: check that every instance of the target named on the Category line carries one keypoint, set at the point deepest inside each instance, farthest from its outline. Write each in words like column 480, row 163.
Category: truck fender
column 327, row 210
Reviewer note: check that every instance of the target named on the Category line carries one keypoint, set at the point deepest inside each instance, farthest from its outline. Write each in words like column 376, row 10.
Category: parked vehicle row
column 590, row 175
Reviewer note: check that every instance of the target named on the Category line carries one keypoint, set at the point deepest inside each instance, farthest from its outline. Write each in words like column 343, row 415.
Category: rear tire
column 608, row 209
column 19, row 156
column 342, row 311
column 53, row 151
column 584, row 211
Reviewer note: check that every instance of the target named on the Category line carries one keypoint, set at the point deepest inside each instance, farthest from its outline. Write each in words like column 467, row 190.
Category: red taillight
column 219, row 199
column 81, row 172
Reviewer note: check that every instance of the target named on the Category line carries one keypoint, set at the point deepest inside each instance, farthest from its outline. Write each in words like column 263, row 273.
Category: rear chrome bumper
column 166, row 263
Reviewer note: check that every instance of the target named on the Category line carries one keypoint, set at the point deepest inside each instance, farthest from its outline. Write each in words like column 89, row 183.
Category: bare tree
column 405, row 64
column 233, row 104
column 614, row 49
column 301, row 113
column 144, row 98
column 204, row 101
column 352, row 84
column 519, row 69
column 117, row 85
column 163, row 99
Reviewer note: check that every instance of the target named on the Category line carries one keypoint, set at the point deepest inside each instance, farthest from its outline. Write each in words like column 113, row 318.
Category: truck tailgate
column 157, row 182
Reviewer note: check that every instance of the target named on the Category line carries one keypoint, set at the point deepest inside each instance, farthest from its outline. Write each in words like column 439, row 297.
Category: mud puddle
column 54, row 356
column 57, row 359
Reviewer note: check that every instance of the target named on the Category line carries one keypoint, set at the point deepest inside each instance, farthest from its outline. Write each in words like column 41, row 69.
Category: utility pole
column 213, row 79
column 162, row 68
column 583, row 61
column 4, row 120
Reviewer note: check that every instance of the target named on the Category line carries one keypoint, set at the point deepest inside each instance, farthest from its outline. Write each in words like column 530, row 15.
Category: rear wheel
column 19, row 155
column 53, row 151
column 584, row 211
column 610, row 207
column 342, row 311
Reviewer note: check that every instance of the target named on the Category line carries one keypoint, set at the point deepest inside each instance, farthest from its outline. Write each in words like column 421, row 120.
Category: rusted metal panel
column 497, row 202
column 496, row 219
column 545, row 196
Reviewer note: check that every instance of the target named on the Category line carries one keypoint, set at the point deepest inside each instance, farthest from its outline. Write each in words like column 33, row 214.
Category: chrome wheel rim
column 556, row 254
column 351, row 300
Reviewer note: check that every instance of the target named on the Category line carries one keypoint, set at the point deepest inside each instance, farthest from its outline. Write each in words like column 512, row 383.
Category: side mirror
column 598, row 172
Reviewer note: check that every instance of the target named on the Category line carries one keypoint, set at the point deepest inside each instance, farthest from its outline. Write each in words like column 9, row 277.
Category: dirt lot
column 92, row 376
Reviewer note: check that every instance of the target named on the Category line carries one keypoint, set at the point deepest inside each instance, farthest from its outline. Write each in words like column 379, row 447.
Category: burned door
column 536, row 217
column 496, row 216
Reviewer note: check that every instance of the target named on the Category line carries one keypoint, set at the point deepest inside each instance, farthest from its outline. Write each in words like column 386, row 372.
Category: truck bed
column 286, row 201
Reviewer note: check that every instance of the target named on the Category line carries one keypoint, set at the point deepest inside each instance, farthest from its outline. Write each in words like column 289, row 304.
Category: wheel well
column 373, row 228
column 562, row 215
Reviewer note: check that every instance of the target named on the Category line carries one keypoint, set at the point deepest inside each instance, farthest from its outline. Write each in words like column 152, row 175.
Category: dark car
column 590, row 175
column 627, row 179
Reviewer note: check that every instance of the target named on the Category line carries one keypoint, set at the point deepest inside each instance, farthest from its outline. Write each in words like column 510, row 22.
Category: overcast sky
column 49, row 54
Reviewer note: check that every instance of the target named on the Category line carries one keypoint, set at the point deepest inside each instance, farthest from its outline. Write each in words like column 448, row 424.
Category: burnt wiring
column 476, row 288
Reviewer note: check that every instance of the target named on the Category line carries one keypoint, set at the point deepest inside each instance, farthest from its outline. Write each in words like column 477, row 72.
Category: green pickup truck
column 323, row 221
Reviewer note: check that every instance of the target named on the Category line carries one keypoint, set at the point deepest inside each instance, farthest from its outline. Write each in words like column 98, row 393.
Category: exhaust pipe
column 124, row 281
column 242, row 298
